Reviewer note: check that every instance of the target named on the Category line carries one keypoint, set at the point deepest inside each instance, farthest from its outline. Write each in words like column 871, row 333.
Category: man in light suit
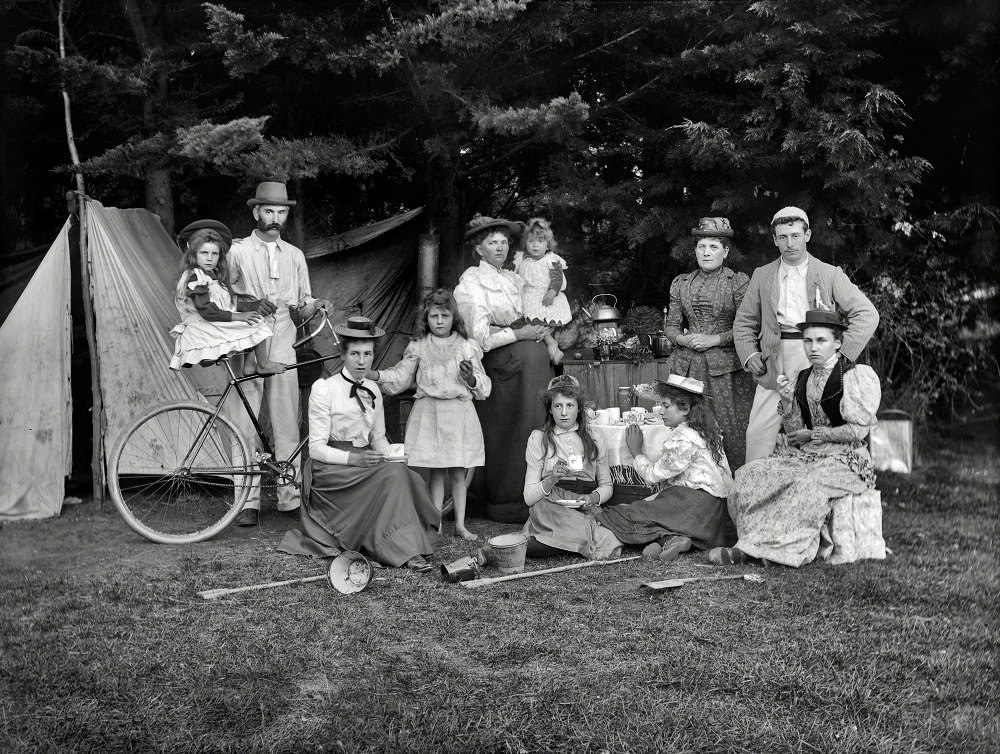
column 767, row 341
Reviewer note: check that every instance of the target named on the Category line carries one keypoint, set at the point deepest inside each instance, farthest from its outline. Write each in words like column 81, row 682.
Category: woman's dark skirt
column 519, row 372
column 675, row 511
column 384, row 511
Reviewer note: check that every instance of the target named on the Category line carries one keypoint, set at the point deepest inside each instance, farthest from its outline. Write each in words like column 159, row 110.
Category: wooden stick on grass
column 543, row 572
column 211, row 594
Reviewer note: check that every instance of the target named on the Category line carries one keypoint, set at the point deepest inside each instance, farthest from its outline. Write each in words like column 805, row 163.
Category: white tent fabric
column 135, row 266
column 35, row 398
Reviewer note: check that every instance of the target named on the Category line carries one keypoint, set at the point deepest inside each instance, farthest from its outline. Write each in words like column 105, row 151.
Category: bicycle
column 182, row 472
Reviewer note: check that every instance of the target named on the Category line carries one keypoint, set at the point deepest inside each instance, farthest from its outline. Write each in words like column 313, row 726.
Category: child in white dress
column 215, row 322
column 544, row 281
column 443, row 433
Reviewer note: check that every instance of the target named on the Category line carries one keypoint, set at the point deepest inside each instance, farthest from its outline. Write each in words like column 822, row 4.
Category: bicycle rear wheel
column 179, row 474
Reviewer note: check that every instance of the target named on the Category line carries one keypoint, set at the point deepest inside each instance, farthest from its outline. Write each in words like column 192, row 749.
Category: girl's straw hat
column 185, row 233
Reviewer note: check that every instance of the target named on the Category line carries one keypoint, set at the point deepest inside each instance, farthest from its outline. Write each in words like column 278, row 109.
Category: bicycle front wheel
column 180, row 474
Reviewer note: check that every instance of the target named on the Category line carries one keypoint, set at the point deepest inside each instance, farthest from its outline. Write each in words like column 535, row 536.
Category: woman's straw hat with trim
column 713, row 227
column 359, row 327
column 480, row 223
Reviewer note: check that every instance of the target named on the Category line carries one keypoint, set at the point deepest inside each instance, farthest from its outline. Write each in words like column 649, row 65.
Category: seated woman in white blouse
column 358, row 500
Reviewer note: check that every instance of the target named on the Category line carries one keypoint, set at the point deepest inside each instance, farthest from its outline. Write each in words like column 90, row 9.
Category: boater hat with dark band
column 359, row 327
column 823, row 318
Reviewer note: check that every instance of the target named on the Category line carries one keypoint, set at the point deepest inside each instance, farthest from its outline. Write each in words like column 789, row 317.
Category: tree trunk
column 159, row 197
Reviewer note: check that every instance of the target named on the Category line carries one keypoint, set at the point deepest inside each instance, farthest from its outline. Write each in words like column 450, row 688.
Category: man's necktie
column 272, row 259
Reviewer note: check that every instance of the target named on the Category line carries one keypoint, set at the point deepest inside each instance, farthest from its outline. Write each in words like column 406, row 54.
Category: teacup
column 574, row 462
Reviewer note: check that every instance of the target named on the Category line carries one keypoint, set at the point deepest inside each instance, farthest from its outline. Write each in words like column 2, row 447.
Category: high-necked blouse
column 487, row 296
column 335, row 415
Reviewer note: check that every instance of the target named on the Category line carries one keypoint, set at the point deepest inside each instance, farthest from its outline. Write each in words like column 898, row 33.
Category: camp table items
column 659, row 586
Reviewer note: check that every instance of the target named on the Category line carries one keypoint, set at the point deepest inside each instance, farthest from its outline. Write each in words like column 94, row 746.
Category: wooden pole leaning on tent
column 97, row 410
column 544, row 572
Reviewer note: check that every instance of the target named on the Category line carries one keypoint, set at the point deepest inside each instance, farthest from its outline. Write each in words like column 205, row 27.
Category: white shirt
column 793, row 299
column 280, row 276
column 335, row 415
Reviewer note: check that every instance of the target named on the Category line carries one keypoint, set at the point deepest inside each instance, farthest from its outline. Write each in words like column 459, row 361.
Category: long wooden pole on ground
column 97, row 412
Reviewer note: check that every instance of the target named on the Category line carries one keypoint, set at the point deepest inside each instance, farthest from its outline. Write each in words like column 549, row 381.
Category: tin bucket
column 463, row 569
column 508, row 551
column 350, row 572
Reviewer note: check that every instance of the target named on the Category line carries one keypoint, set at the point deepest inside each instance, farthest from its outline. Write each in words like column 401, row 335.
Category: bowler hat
column 713, row 227
column 188, row 230
column 822, row 318
column 271, row 192
column 482, row 222
column 790, row 213
column 359, row 327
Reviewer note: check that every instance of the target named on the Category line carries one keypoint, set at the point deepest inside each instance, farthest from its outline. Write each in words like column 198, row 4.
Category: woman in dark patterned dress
column 703, row 304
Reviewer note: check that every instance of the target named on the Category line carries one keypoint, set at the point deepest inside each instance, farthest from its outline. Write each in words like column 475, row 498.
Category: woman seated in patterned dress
column 358, row 500
column 780, row 503
column 567, row 480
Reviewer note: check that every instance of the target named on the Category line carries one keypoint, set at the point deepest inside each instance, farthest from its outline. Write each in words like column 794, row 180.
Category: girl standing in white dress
column 443, row 433
column 215, row 322
column 544, row 281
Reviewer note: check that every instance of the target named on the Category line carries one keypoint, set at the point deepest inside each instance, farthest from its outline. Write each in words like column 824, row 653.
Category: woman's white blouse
column 488, row 296
column 335, row 415
column 685, row 460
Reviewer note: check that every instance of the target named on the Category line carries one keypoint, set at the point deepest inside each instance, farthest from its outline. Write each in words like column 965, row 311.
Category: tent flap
column 35, row 402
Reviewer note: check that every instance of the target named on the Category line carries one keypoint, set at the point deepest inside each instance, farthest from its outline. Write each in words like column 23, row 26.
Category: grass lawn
column 107, row 647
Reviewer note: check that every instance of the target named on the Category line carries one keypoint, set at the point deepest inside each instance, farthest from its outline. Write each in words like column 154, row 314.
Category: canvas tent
column 134, row 267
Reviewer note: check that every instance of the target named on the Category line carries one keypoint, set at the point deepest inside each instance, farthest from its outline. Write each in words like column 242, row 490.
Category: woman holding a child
column 490, row 300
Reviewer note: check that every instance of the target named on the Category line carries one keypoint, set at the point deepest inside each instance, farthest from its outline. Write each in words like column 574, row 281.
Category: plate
column 572, row 503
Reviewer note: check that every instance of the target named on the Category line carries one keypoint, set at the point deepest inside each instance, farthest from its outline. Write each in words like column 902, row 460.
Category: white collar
column 561, row 431
column 798, row 270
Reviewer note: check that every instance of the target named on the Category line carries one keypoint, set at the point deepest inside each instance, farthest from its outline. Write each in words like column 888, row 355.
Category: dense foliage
column 622, row 121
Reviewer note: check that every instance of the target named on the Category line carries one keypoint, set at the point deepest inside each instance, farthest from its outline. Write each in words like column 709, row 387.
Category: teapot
column 601, row 312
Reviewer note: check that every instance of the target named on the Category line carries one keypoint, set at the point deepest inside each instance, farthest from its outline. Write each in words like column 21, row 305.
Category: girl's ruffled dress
column 443, row 429
column 536, row 279
column 199, row 340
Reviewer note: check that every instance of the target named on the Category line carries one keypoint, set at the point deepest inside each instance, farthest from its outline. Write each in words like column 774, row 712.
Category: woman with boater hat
column 703, row 304
column 780, row 503
column 491, row 303
column 358, row 500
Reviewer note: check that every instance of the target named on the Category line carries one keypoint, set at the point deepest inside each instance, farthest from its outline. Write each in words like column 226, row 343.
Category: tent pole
column 97, row 412
column 427, row 263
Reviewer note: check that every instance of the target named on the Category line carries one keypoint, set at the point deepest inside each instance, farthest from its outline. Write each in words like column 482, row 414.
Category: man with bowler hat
column 768, row 342
column 265, row 266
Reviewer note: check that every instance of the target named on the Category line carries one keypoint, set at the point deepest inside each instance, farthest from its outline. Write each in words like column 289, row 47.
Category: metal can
column 625, row 397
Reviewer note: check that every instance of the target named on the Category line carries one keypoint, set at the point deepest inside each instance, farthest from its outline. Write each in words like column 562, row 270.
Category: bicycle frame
column 266, row 460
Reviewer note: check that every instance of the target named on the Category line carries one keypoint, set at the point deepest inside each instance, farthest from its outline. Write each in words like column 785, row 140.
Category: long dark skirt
column 675, row 511
column 519, row 372
column 384, row 511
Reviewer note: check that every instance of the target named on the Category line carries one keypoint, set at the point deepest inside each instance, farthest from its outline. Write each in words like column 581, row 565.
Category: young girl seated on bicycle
column 443, row 433
column 215, row 321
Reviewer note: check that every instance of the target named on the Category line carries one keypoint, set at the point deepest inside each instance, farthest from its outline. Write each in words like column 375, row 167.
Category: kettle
column 601, row 311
